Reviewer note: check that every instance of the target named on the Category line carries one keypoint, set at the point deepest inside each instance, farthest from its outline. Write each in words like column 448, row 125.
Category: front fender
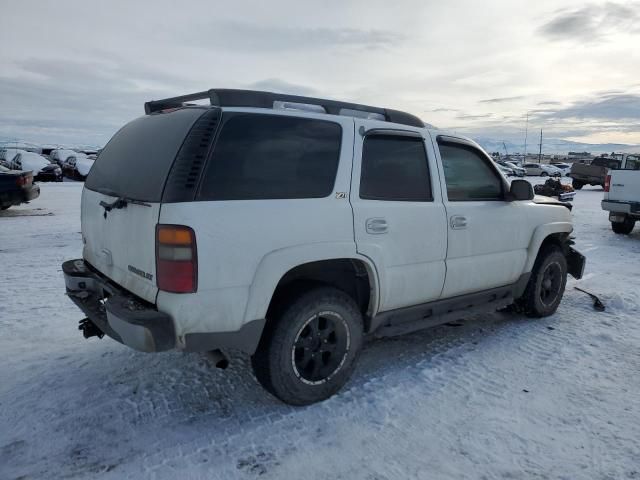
column 539, row 234
column 276, row 264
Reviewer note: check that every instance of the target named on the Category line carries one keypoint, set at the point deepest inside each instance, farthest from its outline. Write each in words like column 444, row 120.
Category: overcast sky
column 75, row 71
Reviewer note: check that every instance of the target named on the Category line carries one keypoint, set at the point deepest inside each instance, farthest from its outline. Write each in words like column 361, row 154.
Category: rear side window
column 137, row 160
column 632, row 163
column 394, row 168
column 468, row 174
column 269, row 157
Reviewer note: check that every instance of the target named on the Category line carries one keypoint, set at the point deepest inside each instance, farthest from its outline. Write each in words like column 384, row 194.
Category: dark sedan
column 16, row 187
column 50, row 173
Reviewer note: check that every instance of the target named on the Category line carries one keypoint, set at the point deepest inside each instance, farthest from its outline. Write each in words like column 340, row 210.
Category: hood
column 34, row 164
column 83, row 165
column 542, row 200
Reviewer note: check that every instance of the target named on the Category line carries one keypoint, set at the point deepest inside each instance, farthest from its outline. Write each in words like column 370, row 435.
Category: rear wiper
column 120, row 202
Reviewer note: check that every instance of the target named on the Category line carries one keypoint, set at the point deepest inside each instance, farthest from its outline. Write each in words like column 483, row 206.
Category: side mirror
column 521, row 190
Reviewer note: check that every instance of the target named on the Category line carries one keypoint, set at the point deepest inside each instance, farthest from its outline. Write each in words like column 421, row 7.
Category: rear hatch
column 122, row 197
column 588, row 172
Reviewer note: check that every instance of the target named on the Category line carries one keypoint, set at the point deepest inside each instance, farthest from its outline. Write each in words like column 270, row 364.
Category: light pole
column 540, row 152
column 526, row 131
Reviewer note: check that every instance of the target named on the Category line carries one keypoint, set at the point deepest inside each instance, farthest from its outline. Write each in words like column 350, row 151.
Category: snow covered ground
column 501, row 396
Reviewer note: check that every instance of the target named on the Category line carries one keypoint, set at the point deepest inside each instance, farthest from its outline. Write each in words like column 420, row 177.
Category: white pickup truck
column 622, row 195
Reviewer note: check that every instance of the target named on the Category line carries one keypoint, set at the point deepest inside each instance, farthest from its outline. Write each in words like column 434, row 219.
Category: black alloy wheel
column 551, row 283
column 320, row 347
column 310, row 346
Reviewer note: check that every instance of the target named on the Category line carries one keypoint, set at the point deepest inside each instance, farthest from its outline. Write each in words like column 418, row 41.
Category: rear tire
column 547, row 283
column 577, row 185
column 309, row 351
column 623, row 228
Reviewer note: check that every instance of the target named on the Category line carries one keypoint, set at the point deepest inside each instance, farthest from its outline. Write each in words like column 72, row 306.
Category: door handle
column 458, row 222
column 376, row 226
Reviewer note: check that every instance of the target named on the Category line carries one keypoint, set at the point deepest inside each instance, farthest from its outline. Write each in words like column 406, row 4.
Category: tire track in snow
column 443, row 365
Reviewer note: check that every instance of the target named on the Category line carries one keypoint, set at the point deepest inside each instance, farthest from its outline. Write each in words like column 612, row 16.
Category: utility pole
column 526, row 132
column 505, row 149
column 540, row 152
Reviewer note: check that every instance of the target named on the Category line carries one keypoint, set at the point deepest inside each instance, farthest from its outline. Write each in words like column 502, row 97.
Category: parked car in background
column 60, row 155
column 43, row 170
column 594, row 173
column 78, row 166
column 16, row 187
column 521, row 172
column 542, row 170
column 508, row 172
column 565, row 168
column 622, row 195
column 301, row 239
column 7, row 154
column 516, row 169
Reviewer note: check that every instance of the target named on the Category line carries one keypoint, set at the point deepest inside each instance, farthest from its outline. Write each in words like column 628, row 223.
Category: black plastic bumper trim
column 119, row 314
column 245, row 339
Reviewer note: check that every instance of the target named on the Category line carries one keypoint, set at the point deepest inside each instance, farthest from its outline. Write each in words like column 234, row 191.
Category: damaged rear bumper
column 116, row 312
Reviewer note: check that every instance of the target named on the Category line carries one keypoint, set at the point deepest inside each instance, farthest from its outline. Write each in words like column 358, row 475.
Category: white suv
column 291, row 228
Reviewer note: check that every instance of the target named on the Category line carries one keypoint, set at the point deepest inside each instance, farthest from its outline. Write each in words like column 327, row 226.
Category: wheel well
column 559, row 239
column 346, row 274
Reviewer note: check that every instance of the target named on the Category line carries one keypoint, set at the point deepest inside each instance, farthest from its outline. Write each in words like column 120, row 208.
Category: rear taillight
column 607, row 183
column 176, row 259
column 24, row 180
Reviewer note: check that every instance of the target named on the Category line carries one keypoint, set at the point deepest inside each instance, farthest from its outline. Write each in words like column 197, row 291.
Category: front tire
column 544, row 174
column 623, row 228
column 546, row 286
column 577, row 185
column 309, row 351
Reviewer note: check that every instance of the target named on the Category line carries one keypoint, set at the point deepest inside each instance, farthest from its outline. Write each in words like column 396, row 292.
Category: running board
column 418, row 317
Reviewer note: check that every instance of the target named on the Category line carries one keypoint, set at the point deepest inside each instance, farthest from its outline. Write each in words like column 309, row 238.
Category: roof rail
column 258, row 99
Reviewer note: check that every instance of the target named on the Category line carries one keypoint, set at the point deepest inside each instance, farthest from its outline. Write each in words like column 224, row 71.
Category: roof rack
column 258, row 99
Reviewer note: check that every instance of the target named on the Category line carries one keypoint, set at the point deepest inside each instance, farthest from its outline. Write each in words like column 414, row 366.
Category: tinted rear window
column 606, row 162
column 269, row 156
column 136, row 161
column 633, row 162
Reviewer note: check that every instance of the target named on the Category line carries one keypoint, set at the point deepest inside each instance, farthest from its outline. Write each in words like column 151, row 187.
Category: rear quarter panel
column 246, row 246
